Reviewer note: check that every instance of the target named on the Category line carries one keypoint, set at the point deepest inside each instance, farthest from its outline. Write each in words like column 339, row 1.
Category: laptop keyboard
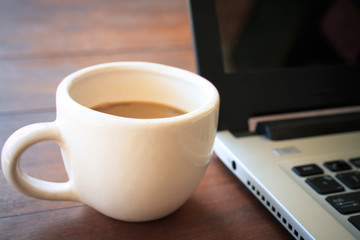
column 345, row 176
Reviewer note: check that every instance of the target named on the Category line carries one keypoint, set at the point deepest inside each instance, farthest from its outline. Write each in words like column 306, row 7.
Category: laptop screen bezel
column 270, row 91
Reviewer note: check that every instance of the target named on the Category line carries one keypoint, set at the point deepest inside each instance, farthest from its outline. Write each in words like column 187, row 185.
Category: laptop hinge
column 309, row 126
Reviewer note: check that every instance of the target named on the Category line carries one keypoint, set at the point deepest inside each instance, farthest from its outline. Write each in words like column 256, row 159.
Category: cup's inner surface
column 177, row 88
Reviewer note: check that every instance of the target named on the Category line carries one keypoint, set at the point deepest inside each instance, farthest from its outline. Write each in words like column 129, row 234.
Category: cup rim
column 63, row 92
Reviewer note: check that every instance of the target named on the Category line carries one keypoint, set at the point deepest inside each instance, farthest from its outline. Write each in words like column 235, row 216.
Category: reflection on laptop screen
column 272, row 34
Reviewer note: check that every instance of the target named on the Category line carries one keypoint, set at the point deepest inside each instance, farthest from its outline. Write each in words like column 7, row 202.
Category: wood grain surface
column 43, row 41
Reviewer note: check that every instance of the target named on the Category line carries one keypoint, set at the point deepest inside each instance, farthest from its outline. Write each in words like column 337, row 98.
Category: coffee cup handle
column 12, row 151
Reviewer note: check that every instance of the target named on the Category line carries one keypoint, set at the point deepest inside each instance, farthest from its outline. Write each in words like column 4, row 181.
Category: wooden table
column 41, row 42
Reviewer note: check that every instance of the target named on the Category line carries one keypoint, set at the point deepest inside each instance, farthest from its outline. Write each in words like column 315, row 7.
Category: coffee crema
column 139, row 109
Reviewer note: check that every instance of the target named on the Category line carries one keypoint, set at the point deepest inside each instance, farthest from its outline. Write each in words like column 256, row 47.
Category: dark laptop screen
column 270, row 57
column 272, row 34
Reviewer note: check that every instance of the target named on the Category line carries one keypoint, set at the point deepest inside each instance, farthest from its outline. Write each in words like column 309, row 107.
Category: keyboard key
column 351, row 179
column 355, row 220
column 345, row 203
column 307, row 170
column 324, row 184
column 355, row 162
column 337, row 165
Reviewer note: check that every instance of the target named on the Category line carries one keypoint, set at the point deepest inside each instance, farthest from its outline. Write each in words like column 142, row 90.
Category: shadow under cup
column 136, row 169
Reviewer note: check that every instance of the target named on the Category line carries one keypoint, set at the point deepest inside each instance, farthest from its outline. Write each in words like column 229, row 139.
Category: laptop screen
column 272, row 34
column 272, row 57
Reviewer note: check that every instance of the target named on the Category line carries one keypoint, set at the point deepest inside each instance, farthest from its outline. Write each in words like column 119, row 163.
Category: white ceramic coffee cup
column 129, row 169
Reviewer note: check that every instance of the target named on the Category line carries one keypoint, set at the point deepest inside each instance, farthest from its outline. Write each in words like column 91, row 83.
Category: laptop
column 289, row 127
